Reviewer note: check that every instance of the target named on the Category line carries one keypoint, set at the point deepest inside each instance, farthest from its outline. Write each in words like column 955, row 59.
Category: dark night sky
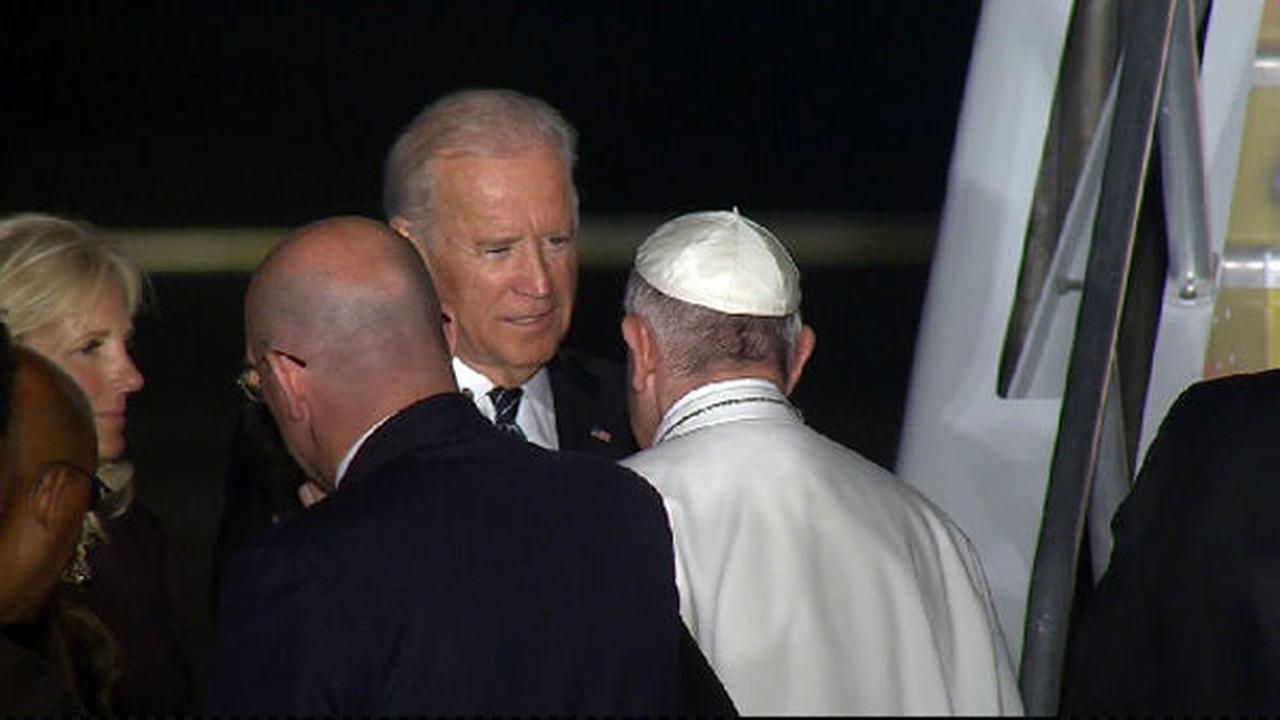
column 280, row 112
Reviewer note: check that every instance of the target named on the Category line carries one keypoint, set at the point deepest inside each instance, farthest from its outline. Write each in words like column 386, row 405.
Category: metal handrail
column 1182, row 160
column 1090, row 373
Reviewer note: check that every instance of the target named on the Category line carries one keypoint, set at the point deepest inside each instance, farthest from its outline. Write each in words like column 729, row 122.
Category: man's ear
column 289, row 379
column 49, row 497
column 401, row 225
column 806, row 340
column 404, row 228
column 642, row 351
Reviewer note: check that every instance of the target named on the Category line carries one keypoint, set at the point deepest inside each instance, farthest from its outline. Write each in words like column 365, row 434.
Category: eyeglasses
column 250, row 380
column 98, row 490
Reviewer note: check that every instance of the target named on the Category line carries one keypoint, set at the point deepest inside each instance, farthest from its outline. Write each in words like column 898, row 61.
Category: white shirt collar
column 692, row 409
column 537, row 413
column 355, row 448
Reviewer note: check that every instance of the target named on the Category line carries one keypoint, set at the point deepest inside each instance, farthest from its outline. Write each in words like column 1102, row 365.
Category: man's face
column 504, row 259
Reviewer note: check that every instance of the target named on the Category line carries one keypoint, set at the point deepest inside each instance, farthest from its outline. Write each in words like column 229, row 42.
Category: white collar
column 537, row 413
column 355, row 448
column 691, row 410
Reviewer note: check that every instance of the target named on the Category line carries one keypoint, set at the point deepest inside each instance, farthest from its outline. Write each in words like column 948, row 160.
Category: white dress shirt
column 537, row 413
column 814, row 581
column 351, row 452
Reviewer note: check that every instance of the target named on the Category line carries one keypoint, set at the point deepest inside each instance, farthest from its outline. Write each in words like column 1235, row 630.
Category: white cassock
column 815, row 581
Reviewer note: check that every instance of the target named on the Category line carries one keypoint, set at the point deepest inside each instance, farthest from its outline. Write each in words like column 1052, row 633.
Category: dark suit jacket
column 591, row 405
column 457, row 571
column 1187, row 618
column 136, row 592
column 262, row 480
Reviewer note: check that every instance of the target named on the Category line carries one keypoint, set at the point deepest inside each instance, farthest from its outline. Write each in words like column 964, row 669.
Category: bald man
column 47, row 452
column 452, row 569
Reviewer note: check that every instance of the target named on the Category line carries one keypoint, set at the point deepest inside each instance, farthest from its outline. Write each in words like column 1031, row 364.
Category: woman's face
column 94, row 350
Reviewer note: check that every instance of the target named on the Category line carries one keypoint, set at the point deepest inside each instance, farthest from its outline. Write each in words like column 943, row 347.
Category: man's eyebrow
column 495, row 241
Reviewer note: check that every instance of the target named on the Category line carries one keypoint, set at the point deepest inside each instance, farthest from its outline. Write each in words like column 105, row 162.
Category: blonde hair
column 52, row 269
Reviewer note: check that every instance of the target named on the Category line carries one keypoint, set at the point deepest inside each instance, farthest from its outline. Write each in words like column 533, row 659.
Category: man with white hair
column 481, row 182
column 814, row 581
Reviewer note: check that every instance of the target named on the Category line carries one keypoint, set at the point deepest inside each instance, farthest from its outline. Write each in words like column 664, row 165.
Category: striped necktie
column 506, row 403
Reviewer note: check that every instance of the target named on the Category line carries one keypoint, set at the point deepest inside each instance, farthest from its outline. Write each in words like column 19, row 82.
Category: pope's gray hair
column 692, row 338
column 483, row 123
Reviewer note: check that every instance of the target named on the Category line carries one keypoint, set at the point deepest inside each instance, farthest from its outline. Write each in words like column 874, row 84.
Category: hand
column 310, row 494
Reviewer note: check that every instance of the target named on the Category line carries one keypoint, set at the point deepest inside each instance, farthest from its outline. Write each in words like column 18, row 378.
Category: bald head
column 345, row 307
column 344, row 289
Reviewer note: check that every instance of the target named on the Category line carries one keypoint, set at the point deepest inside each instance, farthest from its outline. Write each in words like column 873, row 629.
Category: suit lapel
column 572, row 402
column 590, row 415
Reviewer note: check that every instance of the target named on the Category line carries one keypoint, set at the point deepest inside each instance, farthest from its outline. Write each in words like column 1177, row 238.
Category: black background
column 275, row 113
column 279, row 113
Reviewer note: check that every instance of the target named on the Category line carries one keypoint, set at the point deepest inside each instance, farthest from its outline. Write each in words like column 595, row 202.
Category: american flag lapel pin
column 601, row 434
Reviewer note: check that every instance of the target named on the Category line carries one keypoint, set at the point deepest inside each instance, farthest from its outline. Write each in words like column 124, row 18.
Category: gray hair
column 485, row 123
column 693, row 338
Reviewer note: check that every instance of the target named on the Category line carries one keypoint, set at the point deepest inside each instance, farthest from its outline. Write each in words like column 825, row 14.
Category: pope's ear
column 806, row 340
column 641, row 351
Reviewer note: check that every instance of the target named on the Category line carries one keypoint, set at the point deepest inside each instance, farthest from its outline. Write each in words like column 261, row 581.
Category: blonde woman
column 70, row 296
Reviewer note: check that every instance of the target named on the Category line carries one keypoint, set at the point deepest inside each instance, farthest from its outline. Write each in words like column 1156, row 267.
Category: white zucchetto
column 722, row 261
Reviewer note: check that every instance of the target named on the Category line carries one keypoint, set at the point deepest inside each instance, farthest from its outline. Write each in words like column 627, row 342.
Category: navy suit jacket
column 457, row 571
column 591, row 405
column 262, row 480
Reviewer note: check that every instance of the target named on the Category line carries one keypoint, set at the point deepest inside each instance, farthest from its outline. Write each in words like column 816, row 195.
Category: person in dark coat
column 481, row 182
column 451, row 568
column 1186, row 619
column 47, row 456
